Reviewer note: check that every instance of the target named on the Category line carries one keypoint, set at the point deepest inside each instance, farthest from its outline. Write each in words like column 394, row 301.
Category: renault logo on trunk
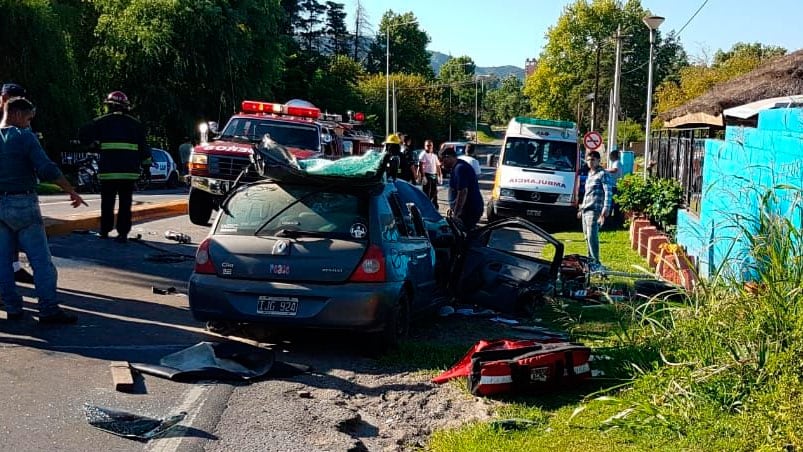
column 281, row 248
column 535, row 196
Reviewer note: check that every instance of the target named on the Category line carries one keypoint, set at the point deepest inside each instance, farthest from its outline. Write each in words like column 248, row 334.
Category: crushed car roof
column 275, row 162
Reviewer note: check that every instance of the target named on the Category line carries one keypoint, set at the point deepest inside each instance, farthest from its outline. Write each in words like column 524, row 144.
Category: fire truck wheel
column 200, row 207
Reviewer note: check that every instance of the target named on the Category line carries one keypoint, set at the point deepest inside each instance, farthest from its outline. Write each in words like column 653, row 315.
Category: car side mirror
column 214, row 127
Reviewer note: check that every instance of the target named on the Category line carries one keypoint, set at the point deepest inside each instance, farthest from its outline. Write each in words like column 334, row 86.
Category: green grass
column 720, row 370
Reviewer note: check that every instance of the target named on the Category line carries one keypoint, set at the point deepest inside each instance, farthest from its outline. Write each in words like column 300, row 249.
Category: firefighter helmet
column 119, row 99
column 392, row 139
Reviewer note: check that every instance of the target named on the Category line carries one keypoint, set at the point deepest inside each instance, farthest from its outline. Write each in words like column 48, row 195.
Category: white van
column 537, row 173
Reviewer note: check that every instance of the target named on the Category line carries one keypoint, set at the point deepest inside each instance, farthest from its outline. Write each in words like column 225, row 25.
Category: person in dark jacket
column 120, row 140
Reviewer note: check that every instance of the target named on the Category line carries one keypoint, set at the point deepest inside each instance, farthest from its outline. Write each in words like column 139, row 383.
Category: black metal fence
column 678, row 154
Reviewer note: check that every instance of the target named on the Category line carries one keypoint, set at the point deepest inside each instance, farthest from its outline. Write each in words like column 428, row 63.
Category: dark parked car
column 366, row 254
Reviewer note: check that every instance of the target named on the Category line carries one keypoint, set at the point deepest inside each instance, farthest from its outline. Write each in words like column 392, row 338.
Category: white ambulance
column 538, row 172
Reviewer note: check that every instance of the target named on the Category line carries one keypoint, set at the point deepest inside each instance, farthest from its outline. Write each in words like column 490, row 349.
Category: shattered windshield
column 273, row 209
column 540, row 154
column 289, row 134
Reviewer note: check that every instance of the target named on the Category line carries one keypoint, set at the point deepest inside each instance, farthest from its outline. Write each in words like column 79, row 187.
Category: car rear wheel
column 200, row 207
column 397, row 326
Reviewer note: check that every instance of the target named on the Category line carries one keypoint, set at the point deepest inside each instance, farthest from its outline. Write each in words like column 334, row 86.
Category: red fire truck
column 217, row 162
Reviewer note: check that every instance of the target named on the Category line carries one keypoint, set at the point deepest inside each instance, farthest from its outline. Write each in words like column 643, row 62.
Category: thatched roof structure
column 782, row 76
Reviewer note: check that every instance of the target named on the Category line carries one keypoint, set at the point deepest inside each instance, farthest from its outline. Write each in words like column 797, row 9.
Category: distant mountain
column 438, row 59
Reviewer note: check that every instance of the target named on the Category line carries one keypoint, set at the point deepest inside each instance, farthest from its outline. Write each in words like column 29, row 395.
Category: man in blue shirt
column 8, row 91
column 595, row 207
column 21, row 222
column 465, row 199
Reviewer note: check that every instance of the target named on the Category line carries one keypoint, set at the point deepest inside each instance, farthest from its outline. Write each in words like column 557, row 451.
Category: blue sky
column 506, row 32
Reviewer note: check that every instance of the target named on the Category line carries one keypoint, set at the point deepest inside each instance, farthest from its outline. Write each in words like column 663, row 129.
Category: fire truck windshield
column 294, row 135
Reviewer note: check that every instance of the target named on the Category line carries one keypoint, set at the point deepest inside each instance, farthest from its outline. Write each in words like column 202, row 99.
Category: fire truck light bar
column 252, row 106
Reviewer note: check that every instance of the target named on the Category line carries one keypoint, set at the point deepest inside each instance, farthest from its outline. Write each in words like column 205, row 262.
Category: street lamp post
column 652, row 22
column 478, row 78
column 387, row 73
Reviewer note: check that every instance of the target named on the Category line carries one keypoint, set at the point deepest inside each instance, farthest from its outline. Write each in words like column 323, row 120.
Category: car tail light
column 203, row 261
column 372, row 266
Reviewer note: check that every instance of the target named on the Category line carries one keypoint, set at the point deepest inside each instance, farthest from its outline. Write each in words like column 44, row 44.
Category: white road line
column 193, row 402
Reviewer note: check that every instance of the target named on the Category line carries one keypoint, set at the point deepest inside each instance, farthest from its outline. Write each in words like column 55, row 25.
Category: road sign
column 592, row 140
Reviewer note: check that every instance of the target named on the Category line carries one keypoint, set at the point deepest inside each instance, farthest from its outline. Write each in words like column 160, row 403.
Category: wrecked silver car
column 343, row 245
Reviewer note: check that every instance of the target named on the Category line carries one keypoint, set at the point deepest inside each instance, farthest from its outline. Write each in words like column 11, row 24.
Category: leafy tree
column 309, row 26
column 628, row 131
column 695, row 80
column 419, row 104
column 336, row 33
column 140, row 41
column 565, row 72
column 408, row 46
column 458, row 73
column 37, row 54
column 507, row 101
column 335, row 86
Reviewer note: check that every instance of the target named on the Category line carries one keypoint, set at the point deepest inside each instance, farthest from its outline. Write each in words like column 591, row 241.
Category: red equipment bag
column 513, row 347
column 527, row 369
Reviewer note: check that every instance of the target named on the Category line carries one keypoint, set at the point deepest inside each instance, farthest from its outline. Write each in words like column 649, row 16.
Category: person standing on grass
column 21, row 223
column 595, row 207
column 615, row 171
column 430, row 172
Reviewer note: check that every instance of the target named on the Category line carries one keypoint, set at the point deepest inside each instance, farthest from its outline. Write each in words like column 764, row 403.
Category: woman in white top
column 430, row 172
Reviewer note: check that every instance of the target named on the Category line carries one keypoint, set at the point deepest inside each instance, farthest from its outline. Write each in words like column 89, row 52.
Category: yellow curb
column 145, row 212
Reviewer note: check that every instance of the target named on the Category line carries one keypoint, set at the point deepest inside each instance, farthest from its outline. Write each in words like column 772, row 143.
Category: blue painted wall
column 737, row 172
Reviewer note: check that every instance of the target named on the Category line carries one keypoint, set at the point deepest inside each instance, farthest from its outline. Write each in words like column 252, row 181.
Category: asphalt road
column 47, row 374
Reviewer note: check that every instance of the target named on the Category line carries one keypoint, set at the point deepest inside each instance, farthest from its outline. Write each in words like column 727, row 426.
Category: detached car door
column 505, row 265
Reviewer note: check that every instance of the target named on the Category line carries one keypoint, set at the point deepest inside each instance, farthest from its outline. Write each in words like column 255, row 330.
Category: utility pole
column 612, row 139
column 596, row 91
column 450, row 112
column 395, row 125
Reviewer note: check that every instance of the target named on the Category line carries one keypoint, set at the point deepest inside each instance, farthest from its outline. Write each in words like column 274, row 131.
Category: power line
column 676, row 35
column 691, row 18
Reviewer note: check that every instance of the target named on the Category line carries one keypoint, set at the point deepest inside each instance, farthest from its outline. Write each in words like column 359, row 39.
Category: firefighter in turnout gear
column 120, row 140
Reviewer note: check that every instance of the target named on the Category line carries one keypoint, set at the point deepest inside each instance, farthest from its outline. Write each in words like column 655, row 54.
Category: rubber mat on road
column 219, row 361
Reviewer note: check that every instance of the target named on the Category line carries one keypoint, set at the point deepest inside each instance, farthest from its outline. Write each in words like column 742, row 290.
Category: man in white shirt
column 430, row 172
column 468, row 157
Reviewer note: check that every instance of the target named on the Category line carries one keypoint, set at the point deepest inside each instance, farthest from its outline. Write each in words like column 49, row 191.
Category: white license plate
column 533, row 213
column 279, row 306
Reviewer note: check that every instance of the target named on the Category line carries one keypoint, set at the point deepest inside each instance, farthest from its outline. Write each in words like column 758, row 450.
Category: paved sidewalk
column 65, row 224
